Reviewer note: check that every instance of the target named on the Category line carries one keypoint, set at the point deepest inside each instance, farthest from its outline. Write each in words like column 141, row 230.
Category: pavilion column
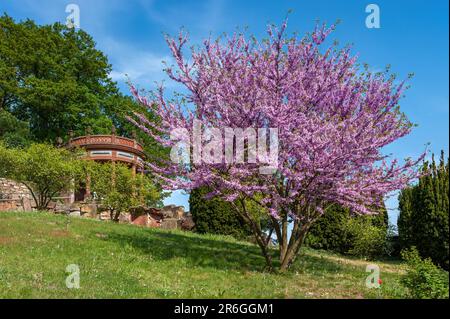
column 133, row 174
column 88, row 187
column 72, row 192
column 141, row 195
column 113, row 173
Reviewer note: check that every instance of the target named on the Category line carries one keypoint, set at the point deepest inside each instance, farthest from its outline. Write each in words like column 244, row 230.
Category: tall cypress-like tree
column 424, row 213
column 404, row 224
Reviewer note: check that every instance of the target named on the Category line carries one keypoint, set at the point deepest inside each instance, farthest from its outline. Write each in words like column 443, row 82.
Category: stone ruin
column 14, row 196
column 168, row 217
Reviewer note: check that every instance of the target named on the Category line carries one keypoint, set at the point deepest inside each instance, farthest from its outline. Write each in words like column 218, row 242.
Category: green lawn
column 124, row 261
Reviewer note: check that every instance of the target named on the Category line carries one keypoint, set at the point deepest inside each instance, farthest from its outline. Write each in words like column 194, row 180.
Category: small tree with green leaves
column 118, row 189
column 45, row 170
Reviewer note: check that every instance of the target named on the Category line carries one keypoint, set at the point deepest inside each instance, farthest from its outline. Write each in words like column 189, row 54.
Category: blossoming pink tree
column 333, row 119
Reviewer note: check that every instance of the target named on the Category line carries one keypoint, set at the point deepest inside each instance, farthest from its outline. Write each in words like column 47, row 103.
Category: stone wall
column 14, row 196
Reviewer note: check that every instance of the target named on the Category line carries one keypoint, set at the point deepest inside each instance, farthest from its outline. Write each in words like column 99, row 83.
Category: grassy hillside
column 124, row 261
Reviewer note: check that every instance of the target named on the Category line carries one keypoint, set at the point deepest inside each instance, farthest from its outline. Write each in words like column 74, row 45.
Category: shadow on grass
column 216, row 253
column 198, row 252
column 318, row 265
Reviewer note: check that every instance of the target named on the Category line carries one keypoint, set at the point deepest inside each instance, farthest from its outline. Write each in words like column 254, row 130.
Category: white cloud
column 141, row 67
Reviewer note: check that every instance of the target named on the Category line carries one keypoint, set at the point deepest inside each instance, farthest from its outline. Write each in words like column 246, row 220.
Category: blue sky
column 413, row 37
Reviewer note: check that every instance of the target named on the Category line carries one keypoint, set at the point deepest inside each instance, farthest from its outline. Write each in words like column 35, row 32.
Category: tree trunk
column 263, row 244
column 257, row 233
column 288, row 247
column 292, row 252
column 284, row 238
column 42, row 202
column 267, row 257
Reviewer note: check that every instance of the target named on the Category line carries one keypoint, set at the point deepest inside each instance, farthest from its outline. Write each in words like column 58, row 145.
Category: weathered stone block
column 169, row 223
column 141, row 220
column 187, row 223
column 75, row 213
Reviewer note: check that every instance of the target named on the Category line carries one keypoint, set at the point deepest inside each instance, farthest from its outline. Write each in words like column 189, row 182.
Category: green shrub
column 340, row 231
column 364, row 239
column 423, row 279
column 327, row 232
column 215, row 216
